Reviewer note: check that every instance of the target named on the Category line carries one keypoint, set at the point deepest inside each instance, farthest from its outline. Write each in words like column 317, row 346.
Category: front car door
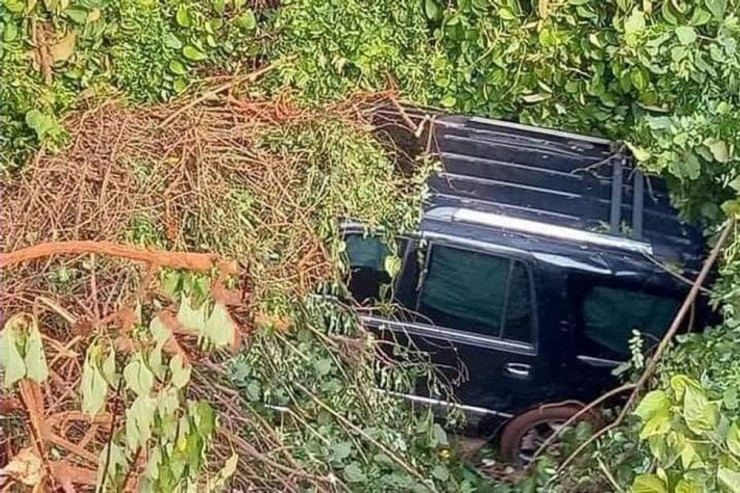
column 472, row 310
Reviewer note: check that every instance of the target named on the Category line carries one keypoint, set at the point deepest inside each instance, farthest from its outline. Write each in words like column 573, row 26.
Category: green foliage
column 151, row 51
column 296, row 367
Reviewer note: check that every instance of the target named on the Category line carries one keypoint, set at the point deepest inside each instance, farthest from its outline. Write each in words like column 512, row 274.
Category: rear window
column 368, row 280
column 609, row 315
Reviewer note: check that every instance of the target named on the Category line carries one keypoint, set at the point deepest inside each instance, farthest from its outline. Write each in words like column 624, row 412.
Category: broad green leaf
column 353, row 473
column 35, row 359
column 686, row 34
column 180, row 373
column 440, row 472
column 655, row 402
column 658, row 424
column 192, row 53
column 177, row 67
column 733, row 439
column 433, row 10
column 10, row 33
column 688, row 454
column 218, row 6
column 700, row 414
column 679, row 384
column 648, row 483
column 717, row 7
column 633, row 26
column 688, row 486
column 139, row 422
column 183, row 16
column 39, row 122
column 729, row 479
column 204, row 418
column 448, row 101
column 77, row 15
column 700, row 17
column 220, row 328
column 10, row 357
column 246, row 21
column 189, row 318
column 138, row 377
column 172, row 41
column 341, row 451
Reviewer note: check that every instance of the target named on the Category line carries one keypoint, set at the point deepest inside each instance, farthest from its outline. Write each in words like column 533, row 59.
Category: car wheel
column 524, row 435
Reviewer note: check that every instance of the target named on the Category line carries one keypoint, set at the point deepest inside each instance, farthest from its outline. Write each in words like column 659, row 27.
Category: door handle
column 517, row 370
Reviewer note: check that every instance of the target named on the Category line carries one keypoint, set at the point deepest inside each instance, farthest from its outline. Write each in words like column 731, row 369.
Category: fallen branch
column 202, row 262
column 652, row 364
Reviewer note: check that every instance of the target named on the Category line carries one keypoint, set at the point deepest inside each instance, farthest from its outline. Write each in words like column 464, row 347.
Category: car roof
column 509, row 183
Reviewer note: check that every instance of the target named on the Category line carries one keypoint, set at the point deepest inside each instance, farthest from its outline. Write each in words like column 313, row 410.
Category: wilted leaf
column 180, row 373
column 93, row 386
column 65, row 48
column 220, row 328
column 10, row 356
column 35, row 359
column 139, row 421
column 194, row 320
column 138, row 377
column 25, row 467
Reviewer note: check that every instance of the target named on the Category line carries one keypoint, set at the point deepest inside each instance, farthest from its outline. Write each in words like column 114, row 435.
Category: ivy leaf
column 686, row 35
column 729, row 479
column 733, row 439
column 138, row 377
column 93, row 387
column 10, row 357
column 700, row 414
column 717, row 7
column 648, row 483
column 653, row 403
column 180, row 373
column 220, row 328
column 35, row 359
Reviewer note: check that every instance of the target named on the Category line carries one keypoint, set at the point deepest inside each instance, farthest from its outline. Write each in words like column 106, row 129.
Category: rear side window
column 477, row 292
column 610, row 314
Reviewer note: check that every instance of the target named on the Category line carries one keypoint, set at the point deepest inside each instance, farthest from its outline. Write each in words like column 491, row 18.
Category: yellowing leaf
column 220, row 328
column 700, row 414
column 658, row 424
column 65, row 48
column 688, row 486
column 648, row 483
column 733, row 439
column 653, row 403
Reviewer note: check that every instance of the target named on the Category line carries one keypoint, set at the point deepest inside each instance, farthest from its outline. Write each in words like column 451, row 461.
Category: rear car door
column 472, row 311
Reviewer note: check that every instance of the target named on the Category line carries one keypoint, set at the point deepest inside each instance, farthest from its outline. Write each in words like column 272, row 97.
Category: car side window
column 477, row 292
column 366, row 256
column 608, row 315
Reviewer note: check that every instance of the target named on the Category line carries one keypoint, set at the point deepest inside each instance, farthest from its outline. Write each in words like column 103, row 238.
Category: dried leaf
column 65, row 48
column 26, row 467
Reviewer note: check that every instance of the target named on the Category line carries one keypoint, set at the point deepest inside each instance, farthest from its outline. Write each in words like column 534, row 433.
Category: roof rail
column 470, row 216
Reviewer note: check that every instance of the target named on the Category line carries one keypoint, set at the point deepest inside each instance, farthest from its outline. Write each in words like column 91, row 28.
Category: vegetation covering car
column 539, row 254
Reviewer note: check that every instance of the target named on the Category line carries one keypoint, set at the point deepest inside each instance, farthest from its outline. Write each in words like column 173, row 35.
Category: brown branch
column 202, row 262
column 664, row 342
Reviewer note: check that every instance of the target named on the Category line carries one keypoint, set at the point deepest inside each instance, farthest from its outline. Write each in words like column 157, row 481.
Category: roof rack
column 572, row 186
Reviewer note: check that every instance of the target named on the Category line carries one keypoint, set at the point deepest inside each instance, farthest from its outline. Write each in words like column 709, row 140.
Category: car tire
column 523, row 435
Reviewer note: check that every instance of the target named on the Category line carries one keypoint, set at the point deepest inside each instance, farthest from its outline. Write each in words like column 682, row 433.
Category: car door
column 472, row 311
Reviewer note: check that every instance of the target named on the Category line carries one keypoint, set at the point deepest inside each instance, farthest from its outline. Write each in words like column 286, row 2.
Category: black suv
column 539, row 253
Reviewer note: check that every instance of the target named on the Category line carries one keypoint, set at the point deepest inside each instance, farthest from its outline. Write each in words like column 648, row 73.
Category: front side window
column 368, row 277
column 477, row 292
column 609, row 315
